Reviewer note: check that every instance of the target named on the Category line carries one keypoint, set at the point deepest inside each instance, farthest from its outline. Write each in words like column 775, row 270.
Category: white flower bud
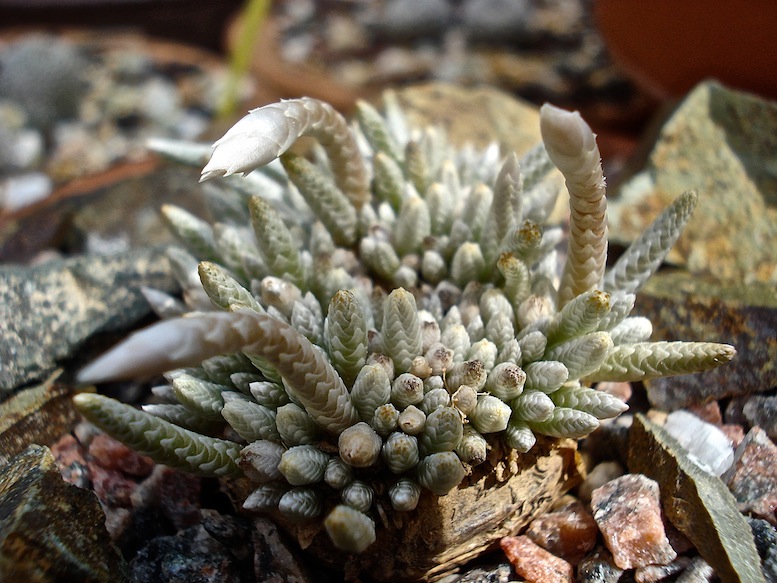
column 465, row 399
column 404, row 495
column 300, row 504
column 303, row 464
column 338, row 474
column 259, row 460
column 412, row 420
column 350, row 530
column 490, row 415
column 359, row 445
column 253, row 141
column 358, row 495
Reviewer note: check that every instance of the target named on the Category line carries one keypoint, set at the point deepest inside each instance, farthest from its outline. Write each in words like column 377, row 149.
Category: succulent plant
column 393, row 307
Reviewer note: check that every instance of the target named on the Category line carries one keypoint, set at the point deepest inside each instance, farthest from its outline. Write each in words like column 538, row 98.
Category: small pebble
column 699, row 571
column 704, row 443
column 680, row 543
column 753, row 476
column 190, row 555
column 734, row 433
column 621, row 390
column 628, row 512
column 20, row 149
column 597, row 477
column 654, row 573
column 69, row 455
column 569, row 532
column 230, row 531
column 23, row 190
column 735, row 411
column 177, row 495
column 598, row 567
column 113, row 488
column 709, row 412
column 533, row 563
column 114, row 455
column 118, row 521
column 761, row 410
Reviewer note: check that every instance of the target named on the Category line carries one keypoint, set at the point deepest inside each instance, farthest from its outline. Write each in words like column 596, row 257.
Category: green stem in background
column 254, row 14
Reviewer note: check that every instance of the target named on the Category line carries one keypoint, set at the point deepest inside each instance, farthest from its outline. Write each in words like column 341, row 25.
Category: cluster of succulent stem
column 373, row 318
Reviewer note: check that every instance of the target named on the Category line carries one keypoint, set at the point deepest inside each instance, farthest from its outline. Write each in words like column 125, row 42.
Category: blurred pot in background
column 669, row 46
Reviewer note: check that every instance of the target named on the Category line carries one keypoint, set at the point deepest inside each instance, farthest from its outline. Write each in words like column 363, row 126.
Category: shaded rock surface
column 720, row 142
column 753, row 476
column 52, row 530
column 49, row 310
column 696, row 502
column 39, row 414
column 766, row 542
column 190, row 555
column 761, row 410
column 683, row 306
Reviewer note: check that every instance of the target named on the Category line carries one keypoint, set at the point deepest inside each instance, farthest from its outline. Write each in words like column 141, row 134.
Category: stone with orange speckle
column 535, row 564
column 628, row 512
column 569, row 532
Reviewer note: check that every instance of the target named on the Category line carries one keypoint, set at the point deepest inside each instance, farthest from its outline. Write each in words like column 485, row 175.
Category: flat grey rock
column 49, row 310
column 685, row 306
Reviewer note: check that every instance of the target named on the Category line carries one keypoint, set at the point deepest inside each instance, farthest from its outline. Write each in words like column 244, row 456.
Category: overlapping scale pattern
column 395, row 312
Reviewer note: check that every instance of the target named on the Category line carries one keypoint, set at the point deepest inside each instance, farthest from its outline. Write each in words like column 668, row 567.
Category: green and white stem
column 392, row 311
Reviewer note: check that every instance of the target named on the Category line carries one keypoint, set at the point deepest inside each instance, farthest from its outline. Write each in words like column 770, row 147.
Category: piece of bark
column 498, row 499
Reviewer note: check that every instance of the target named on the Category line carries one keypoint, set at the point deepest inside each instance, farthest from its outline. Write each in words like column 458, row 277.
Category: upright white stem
column 571, row 145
